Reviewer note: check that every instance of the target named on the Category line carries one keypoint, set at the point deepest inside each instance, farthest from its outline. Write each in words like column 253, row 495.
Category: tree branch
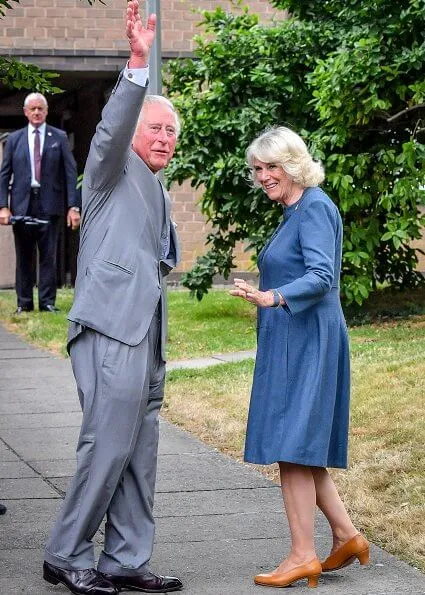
column 405, row 111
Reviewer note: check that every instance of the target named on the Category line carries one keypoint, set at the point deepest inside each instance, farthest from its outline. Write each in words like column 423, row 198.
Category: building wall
column 74, row 25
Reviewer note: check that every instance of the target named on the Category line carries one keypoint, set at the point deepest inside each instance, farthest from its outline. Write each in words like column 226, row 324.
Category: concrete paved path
column 218, row 522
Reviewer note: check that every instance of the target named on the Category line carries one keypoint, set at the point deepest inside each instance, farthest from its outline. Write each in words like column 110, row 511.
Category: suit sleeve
column 109, row 150
column 70, row 168
column 6, row 173
column 317, row 235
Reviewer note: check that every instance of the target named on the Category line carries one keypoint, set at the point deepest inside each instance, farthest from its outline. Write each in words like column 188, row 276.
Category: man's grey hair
column 151, row 99
column 35, row 97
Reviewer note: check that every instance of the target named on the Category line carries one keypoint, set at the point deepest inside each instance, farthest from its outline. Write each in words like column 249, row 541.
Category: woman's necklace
column 297, row 200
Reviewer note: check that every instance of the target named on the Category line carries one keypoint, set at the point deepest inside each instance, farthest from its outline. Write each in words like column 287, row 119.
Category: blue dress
column 299, row 410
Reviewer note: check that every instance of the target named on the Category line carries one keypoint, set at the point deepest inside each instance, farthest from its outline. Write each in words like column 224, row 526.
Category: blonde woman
column 299, row 406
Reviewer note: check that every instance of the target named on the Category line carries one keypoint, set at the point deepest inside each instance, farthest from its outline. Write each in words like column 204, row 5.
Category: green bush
column 348, row 76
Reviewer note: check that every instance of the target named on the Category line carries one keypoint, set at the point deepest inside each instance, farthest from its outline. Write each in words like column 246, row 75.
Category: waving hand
column 140, row 38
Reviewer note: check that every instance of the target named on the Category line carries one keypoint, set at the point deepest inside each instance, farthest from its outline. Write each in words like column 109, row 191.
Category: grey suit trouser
column 121, row 390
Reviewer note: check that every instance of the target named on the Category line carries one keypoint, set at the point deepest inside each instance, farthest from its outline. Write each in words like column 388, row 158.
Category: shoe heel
column 364, row 557
column 313, row 581
column 50, row 579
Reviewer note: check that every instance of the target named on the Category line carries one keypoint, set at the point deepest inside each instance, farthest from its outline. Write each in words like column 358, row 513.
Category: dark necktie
column 37, row 156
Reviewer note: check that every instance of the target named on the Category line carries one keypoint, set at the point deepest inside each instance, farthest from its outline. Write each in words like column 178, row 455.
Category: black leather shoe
column 49, row 308
column 21, row 309
column 147, row 583
column 79, row 582
column 3, row 509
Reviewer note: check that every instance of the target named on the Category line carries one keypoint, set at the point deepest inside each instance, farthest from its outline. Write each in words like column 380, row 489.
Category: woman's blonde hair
column 282, row 146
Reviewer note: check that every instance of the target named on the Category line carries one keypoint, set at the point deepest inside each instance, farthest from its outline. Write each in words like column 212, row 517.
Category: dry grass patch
column 384, row 485
column 211, row 403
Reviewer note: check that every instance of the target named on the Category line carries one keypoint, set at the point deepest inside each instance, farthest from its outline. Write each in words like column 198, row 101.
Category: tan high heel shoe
column 356, row 547
column 311, row 571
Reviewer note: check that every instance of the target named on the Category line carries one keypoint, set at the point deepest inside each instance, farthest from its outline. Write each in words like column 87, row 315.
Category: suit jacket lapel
column 173, row 256
column 167, row 201
column 49, row 141
column 24, row 146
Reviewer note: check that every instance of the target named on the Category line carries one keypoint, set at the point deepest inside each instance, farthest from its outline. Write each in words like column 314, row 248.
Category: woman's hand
column 263, row 299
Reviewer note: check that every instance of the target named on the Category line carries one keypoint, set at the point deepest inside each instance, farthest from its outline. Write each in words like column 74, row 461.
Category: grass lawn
column 384, row 487
column 218, row 324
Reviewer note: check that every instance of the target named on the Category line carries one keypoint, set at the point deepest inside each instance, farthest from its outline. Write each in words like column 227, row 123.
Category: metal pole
column 155, row 78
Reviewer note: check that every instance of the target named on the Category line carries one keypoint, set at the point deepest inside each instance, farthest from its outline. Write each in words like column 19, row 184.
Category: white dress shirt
column 31, row 137
column 139, row 76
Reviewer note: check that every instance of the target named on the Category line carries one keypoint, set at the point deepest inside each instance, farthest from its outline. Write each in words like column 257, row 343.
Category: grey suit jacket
column 127, row 240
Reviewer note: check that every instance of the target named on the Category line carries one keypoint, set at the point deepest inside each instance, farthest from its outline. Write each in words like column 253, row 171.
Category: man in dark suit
column 117, row 338
column 39, row 165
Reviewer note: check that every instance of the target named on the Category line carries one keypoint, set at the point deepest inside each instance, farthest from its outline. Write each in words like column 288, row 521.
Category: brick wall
column 192, row 229
column 73, row 24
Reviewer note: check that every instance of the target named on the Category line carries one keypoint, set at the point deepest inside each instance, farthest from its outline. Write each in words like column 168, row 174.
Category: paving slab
column 60, row 483
column 219, row 522
column 175, row 473
column 18, row 403
column 27, row 511
column 236, row 356
column 28, row 488
column 24, row 421
column 176, row 442
column 21, row 355
column 41, row 443
column 31, row 381
column 213, row 360
column 193, row 364
column 6, row 454
column 55, row 467
column 230, row 527
column 25, row 364
column 15, row 470
column 209, row 502
column 12, row 345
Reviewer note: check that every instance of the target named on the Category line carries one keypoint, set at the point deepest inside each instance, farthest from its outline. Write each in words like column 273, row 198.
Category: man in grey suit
column 116, row 338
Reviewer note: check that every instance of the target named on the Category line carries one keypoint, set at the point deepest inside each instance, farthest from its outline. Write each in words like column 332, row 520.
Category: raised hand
column 140, row 38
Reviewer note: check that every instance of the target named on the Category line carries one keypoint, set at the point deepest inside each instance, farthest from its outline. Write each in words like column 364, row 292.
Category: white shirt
column 139, row 76
column 31, row 137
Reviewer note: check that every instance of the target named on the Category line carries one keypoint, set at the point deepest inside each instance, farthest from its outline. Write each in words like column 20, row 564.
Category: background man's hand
column 140, row 38
column 5, row 215
column 73, row 219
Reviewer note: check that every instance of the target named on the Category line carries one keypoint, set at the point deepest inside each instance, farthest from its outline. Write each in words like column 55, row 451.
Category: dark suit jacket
column 58, row 173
